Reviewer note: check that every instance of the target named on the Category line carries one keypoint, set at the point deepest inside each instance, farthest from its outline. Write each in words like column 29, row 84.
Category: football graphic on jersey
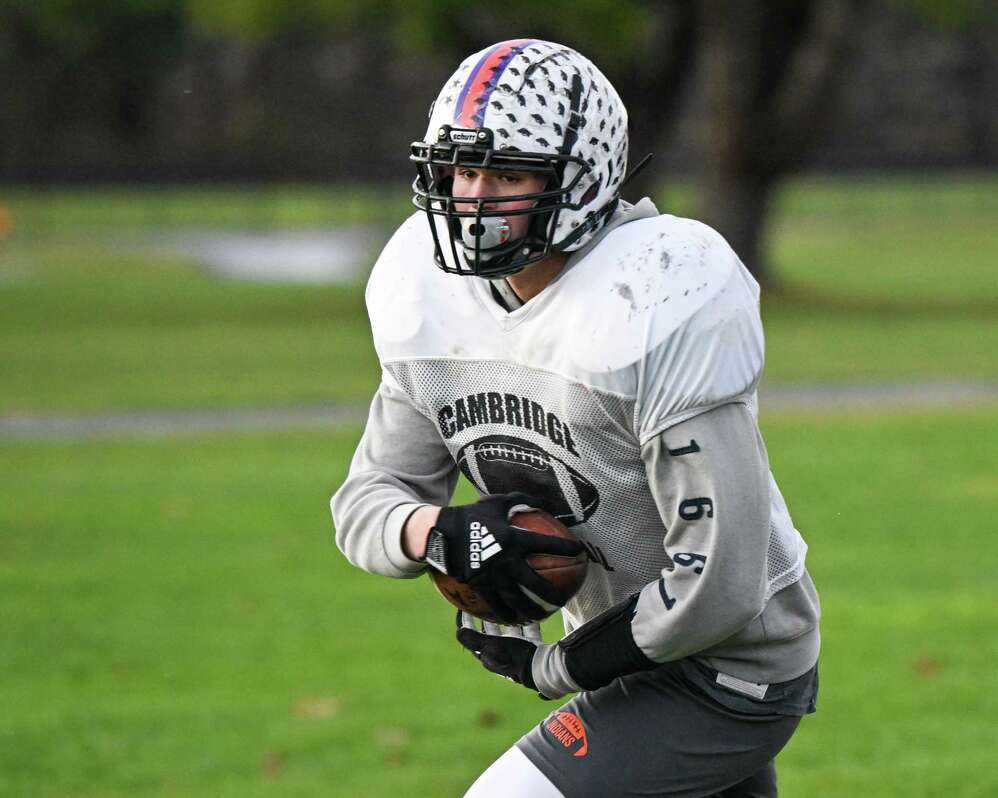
column 505, row 464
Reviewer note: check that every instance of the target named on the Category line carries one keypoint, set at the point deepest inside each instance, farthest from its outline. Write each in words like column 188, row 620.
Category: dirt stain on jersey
column 625, row 292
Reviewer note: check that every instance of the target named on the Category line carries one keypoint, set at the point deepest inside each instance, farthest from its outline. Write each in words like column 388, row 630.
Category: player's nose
column 482, row 186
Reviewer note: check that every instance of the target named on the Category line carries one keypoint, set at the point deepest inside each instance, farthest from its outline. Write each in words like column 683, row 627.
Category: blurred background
column 191, row 196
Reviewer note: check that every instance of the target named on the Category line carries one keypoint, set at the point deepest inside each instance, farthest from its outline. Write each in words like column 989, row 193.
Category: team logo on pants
column 569, row 730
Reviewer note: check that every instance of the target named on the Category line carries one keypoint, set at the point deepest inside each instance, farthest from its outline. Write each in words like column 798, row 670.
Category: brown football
column 566, row 573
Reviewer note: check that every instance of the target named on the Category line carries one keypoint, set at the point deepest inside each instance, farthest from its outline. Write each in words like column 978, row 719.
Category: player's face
column 473, row 182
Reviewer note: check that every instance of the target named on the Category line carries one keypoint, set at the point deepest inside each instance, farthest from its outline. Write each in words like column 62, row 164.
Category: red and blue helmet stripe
column 469, row 112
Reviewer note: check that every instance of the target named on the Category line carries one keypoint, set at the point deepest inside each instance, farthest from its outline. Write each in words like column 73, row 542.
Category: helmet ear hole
column 591, row 193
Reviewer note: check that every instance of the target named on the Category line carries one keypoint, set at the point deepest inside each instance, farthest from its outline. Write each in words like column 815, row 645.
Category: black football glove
column 591, row 657
column 510, row 655
column 476, row 544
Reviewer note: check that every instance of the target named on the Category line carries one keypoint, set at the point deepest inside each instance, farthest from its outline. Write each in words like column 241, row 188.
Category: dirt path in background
column 175, row 423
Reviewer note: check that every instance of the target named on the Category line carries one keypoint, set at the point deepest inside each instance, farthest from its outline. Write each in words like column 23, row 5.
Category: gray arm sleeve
column 400, row 464
column 710, row 479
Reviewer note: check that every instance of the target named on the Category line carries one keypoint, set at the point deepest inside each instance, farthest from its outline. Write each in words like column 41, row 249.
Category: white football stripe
column 516, row 509
column 538, row 600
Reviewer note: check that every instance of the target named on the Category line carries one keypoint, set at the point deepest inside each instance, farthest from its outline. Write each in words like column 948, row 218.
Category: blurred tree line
column 738, row 94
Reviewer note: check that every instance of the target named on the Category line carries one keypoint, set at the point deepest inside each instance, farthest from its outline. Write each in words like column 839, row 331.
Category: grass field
column 177, row 623
column 881, row 280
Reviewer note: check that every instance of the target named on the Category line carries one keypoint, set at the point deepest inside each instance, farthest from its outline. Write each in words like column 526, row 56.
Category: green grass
column 882, row 279
column 129, row 335
column 897, row 512
column 44, row 212
column 811, row 345
column 909, row 244
column 176, row 622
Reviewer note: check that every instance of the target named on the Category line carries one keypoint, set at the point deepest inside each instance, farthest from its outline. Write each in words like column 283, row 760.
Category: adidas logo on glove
column 482, row 545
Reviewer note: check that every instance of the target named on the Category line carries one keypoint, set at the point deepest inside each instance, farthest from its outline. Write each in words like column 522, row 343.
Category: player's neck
column 535, row 278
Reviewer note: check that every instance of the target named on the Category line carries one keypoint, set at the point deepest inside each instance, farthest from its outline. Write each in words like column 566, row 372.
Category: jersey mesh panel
column 782, row 567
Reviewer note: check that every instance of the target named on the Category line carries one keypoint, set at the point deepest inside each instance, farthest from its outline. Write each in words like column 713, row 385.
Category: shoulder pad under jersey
column 407, row 295
column 644, row 283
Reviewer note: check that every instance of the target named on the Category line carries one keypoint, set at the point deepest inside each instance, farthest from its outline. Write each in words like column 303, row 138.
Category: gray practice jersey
column 624, row 397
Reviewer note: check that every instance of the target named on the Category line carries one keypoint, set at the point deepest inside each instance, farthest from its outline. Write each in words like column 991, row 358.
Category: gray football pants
column 655, row 734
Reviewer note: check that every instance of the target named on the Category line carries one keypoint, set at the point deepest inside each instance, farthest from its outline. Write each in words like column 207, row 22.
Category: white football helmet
column 521, row 105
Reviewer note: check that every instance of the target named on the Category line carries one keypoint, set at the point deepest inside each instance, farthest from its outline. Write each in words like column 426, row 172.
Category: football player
column 568, row 350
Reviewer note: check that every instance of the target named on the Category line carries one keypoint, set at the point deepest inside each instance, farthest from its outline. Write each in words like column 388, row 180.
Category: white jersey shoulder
column 409, row 300
column 659, row 310
column 666, row 303
column 645, row 282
